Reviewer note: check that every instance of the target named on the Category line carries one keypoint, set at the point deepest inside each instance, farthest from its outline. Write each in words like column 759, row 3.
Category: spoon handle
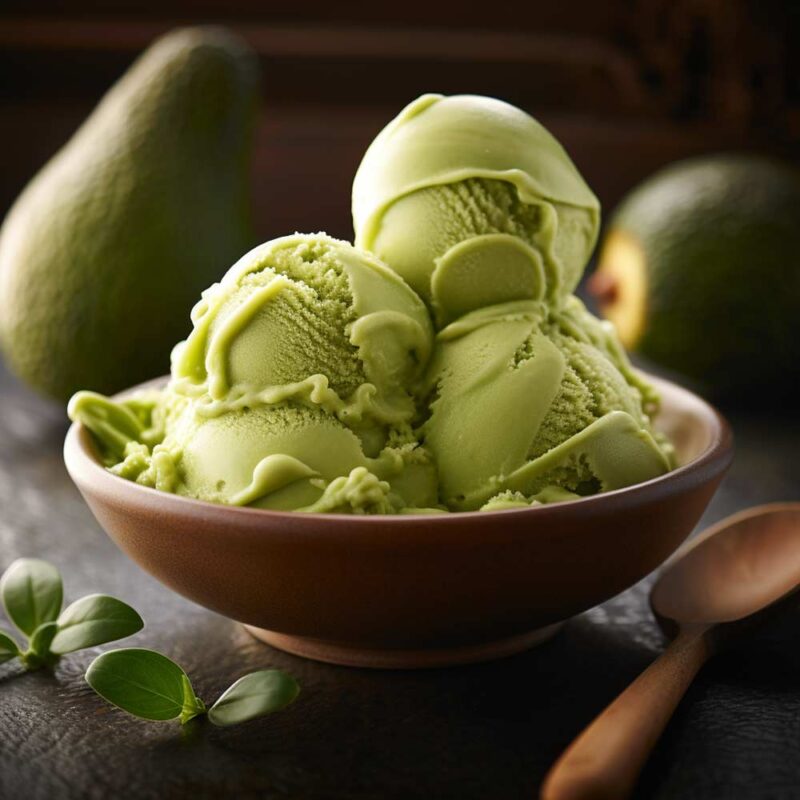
column 606, row 759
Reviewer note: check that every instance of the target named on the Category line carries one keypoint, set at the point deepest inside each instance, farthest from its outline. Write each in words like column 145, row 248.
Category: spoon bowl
column 722, row 578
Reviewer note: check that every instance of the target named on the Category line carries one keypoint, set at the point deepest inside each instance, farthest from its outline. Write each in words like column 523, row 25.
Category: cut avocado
column 700, row 272
column 620, row 288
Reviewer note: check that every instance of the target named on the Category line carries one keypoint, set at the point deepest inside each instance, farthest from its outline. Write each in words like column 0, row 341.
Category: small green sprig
column 151, row 686
column 142, row 682
column 32, row 594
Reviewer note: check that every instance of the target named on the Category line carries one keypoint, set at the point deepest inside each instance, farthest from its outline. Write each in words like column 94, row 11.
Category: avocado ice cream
column 294, row 390
column 530, row 403
column 474, row 203
column 442, row 364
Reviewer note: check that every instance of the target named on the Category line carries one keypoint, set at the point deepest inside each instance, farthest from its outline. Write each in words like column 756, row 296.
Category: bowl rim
column 81, row 459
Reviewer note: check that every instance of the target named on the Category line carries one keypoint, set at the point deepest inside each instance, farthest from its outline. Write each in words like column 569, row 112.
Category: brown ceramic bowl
column 413, row 591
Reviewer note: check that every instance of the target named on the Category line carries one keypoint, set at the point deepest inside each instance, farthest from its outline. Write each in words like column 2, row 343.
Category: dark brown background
column 626, row 85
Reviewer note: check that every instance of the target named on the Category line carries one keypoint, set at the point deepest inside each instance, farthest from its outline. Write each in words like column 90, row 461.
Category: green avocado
column 700, row 272
column 104, row 253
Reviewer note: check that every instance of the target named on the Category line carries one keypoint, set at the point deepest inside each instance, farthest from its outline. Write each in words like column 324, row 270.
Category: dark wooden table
column 484, row 731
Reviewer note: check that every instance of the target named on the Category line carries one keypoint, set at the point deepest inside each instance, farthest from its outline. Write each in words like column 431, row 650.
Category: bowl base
column 355, row 656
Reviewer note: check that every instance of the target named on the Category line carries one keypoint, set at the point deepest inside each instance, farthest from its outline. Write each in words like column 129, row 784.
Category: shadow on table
column 485, row 730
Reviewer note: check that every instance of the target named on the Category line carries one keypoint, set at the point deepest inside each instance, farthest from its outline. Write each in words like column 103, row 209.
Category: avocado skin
column 721, row 238
column 104, row 253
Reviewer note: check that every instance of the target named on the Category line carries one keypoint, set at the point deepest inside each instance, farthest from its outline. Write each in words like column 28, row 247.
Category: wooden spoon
column 738, row 567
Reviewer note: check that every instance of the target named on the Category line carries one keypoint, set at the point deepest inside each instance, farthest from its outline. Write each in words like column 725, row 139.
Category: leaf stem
column 192, row 710
column 32, row 660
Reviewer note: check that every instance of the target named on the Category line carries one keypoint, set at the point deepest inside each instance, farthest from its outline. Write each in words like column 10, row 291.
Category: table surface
column 482, row 731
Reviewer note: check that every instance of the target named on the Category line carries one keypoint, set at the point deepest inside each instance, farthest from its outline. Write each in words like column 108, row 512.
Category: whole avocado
column 700, row 270
column 104, row 253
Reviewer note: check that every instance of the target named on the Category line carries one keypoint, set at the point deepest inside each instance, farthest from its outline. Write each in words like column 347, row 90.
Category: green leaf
column 8, row 648
column 193, row 706
column 142, row 682
column 42, row 637
column 38, row 654
column 32, row 593
column 253, row 696
column 92, row 620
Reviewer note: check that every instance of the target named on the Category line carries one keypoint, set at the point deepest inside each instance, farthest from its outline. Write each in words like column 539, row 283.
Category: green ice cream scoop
column 296, row 389
column 308, row 316
column 533, row 404
column 474, row 203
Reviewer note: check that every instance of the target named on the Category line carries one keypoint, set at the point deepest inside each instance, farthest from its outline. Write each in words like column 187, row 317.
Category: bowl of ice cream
column 419, row 590
column 418, row 449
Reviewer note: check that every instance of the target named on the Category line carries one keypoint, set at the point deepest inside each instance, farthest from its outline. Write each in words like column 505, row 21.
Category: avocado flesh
column 620, row 287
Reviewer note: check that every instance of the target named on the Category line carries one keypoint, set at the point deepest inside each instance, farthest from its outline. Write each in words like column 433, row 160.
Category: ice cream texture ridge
column 440, row 364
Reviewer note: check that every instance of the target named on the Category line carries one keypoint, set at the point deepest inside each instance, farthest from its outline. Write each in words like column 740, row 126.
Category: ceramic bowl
column 413, row 591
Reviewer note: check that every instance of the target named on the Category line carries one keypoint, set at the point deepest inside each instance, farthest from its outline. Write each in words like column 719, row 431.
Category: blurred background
column 626, row 86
